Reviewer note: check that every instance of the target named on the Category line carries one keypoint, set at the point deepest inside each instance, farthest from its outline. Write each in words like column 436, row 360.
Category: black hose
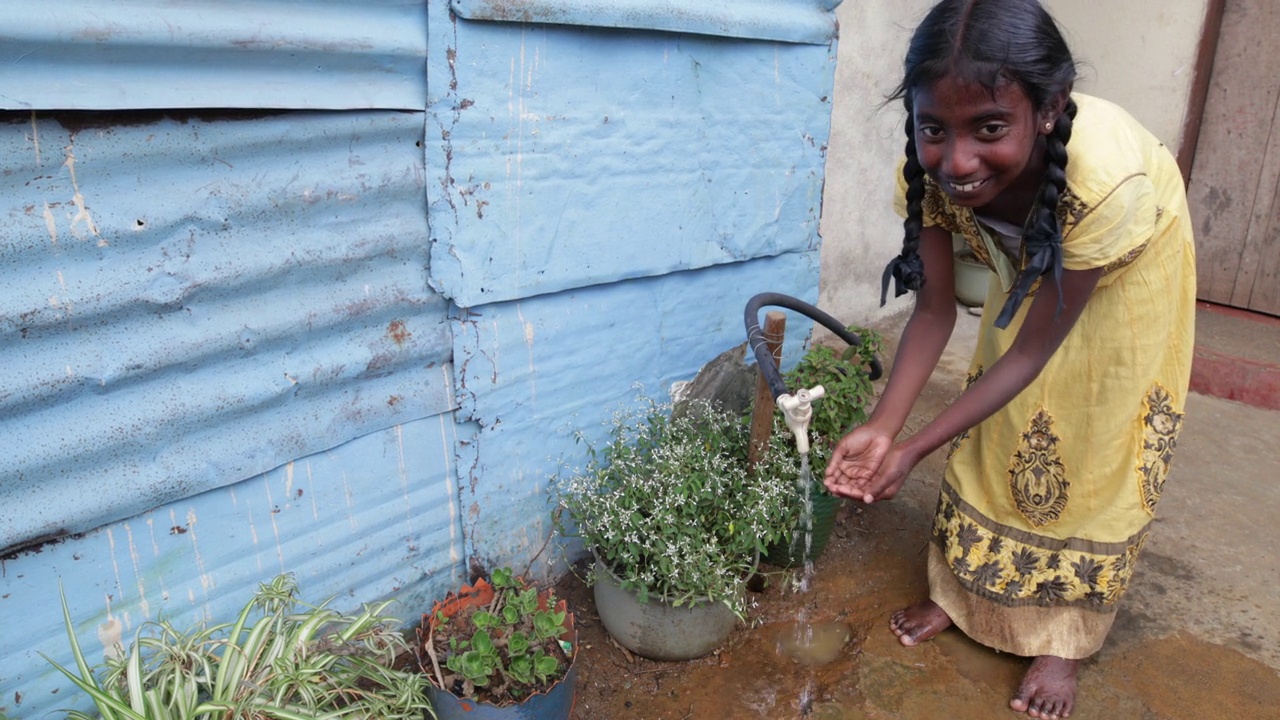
column 758, row 346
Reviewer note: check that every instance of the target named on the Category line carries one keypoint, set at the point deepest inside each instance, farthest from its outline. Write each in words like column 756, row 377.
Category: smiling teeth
column 970, row 187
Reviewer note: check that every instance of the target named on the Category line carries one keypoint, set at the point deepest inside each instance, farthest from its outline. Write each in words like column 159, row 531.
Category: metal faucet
column 797, row 410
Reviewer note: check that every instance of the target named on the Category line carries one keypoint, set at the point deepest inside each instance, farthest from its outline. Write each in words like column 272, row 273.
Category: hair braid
column 907, row 269
column 1043, row 232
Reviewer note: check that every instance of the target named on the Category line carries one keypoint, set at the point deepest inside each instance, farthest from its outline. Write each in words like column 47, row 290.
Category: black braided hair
column 990, row 42
column 907, row 269
column 1043, row 232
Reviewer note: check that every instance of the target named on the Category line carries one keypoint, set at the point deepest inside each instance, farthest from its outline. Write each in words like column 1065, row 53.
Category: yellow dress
column 1045, row 505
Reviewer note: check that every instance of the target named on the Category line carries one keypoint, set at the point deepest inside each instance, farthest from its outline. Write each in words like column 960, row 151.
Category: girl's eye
column 992, row 130
column 931, row 132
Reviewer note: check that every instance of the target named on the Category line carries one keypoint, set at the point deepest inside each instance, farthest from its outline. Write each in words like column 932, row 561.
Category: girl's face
column 986, row 151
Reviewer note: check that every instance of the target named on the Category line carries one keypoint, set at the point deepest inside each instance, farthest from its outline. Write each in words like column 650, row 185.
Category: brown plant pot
column 555, row 703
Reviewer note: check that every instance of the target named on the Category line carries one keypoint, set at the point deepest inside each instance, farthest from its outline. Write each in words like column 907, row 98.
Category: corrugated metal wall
column 345, row 325
column 610, row 201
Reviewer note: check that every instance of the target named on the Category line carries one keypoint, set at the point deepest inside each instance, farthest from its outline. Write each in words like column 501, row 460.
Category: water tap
column 797, row 410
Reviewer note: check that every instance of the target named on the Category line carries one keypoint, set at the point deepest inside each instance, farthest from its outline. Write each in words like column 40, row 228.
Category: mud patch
column 874, row 565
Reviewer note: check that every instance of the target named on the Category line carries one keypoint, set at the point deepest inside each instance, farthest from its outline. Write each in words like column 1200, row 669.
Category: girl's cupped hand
column 867, row 465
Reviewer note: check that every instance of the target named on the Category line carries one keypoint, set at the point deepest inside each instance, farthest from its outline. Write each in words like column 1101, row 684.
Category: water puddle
column 813, row 644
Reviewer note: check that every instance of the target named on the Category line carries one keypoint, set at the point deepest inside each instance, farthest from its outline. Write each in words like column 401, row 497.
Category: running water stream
column 803, row 481
column 811, row 644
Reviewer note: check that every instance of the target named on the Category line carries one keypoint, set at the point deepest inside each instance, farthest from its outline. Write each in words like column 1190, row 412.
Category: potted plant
column 499, row 649
column 971, row 278
column 675, row 523
column 293, row 661
column 848, row 387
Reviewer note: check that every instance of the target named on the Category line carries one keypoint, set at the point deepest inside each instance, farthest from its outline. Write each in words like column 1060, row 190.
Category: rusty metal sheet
column 542, row 369
column 574, row 157
column 376, row 518
column 189, row 303
column 800, row 21
column 144, row 54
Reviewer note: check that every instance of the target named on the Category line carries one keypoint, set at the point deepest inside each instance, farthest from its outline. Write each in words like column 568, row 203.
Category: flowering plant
column 669, row 507
column 780, row 464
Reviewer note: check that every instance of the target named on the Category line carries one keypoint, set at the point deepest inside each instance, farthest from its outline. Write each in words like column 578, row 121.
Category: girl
column 1061, row 442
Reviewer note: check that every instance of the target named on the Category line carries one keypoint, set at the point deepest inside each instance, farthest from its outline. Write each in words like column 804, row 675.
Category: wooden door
column 1235, row 178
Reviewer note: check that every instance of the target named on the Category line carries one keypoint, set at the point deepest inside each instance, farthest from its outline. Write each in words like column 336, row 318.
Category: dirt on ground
column 874, row 566
column 1152, row 668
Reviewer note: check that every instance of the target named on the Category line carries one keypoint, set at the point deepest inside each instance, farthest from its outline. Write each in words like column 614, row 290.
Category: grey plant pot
column 656, row 629
column 972, row 277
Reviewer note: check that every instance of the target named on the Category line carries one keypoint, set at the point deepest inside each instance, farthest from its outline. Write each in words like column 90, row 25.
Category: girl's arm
column 924, row 337
column 1039, row 337
column 866, row 465
column 856, row 459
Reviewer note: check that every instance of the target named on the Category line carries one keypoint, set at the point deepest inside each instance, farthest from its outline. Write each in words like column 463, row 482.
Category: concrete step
column 1237, row 356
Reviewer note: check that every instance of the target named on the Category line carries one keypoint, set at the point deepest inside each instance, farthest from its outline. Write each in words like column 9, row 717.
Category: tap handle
column 817, row 392
column 797, row 410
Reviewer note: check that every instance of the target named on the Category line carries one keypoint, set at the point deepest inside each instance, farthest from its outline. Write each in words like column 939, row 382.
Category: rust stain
column 177, row 530
column 377, row 365
column 394, row 400
column 398, row 332
column 36, row 545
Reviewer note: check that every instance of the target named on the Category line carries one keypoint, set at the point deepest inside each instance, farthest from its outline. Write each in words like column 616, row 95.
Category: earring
column 1048, row 126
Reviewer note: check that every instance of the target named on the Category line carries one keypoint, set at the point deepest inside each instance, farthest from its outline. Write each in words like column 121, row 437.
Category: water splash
column 810, row 644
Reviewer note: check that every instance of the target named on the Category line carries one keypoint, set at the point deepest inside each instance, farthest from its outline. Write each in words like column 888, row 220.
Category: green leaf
column 503, row 578
column 546, row 666
column 481, row 642
column 521, row 670
column 474, row 666
column 517, row 644
column 548, row 624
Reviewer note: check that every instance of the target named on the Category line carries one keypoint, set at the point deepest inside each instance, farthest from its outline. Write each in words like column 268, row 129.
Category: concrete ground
column 1197, row 636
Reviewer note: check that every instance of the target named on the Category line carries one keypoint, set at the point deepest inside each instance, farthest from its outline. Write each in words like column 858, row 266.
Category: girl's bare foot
column 919, row 622
column 1048, row 689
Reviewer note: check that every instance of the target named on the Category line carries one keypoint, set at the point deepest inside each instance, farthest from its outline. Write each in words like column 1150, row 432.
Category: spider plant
column 292, row 662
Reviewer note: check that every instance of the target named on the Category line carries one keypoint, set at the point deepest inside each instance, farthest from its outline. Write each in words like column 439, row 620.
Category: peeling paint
column 111, row 635
column 206, row 579
column 115, row 565
column 136, row 560
column 51, row 225
column 82, row 214
column 35, row 137
column 275, row 527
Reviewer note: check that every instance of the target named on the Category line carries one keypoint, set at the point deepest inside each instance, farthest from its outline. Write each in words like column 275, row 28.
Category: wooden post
column 775, row 328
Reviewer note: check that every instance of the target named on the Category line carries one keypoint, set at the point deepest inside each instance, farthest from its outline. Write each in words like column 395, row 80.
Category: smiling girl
column 1062, row 440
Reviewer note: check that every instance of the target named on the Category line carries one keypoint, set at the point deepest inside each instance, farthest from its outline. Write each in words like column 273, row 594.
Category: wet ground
column 1197, row 636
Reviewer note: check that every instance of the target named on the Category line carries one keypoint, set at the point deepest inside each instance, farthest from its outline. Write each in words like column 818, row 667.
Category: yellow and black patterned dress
column 1045, row 505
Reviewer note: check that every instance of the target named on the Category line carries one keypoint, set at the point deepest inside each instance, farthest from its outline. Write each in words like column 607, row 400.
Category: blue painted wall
column 346, row 327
